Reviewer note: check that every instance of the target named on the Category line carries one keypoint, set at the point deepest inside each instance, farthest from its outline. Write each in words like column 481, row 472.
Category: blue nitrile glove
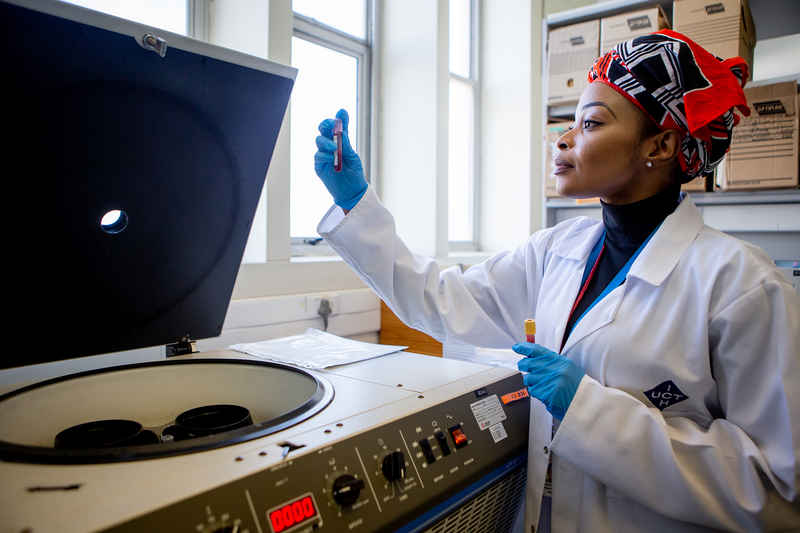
column 551, row 378
column 348, row 186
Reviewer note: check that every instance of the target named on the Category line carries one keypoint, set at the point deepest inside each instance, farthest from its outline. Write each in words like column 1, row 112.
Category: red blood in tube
column 530, row 330
column 337, row 138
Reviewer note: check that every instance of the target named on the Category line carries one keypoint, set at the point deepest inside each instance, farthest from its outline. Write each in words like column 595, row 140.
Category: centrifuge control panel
column 378, row 480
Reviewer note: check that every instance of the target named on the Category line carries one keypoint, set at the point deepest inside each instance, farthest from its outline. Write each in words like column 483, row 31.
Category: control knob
column 394, row 466
column 346, row 489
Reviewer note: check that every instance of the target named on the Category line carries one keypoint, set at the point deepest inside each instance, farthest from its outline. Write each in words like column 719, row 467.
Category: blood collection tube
column 530, row 330
column 337, row 138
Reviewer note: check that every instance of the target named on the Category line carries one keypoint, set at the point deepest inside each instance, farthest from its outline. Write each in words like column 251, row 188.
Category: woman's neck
column 633, row 223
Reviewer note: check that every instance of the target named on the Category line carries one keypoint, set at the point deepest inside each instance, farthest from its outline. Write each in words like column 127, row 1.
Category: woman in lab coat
column 668, row 353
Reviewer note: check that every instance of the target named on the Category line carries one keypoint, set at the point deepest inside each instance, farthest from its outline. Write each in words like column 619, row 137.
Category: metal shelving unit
column 773, row 215
column 778, row 196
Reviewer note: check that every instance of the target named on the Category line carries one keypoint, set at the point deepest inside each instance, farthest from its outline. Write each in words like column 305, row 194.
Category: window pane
column 460, row 42
column 326, row 82
column 168, row 15
column 349, row 16
column 460, row 162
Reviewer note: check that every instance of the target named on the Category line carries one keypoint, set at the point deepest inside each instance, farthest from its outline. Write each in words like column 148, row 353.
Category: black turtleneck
column 627, row 227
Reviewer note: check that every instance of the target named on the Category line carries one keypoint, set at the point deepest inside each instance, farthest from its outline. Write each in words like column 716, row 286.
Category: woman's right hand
column 348, row 186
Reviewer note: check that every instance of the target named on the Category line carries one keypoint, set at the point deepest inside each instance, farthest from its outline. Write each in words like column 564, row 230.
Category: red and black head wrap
column 680, row 86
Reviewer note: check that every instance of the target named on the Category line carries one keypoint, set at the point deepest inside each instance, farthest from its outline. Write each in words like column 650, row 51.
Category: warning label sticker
column 498, row 432
column 488, row 412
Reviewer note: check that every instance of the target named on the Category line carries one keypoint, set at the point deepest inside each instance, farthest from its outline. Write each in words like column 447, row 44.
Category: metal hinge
column 156, row 44
column 185, row 346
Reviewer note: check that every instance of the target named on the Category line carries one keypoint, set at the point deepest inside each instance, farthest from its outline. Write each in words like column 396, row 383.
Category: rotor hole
column 114, row 221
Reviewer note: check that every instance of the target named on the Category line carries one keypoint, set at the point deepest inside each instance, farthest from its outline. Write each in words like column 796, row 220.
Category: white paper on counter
column 315, row 350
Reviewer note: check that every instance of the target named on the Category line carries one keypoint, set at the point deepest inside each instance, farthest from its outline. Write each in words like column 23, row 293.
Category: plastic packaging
column 316, row 350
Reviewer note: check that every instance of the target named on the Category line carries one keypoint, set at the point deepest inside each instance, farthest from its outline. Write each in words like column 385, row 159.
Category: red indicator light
column 293, row 513
column 458, row 436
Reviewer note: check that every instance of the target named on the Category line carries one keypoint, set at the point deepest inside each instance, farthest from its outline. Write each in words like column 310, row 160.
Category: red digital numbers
column 292, row 513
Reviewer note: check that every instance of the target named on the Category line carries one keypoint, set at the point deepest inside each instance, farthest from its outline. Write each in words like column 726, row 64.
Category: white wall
column 413, row 112
column 511, row 186
column 356, row 316
column 776, row 58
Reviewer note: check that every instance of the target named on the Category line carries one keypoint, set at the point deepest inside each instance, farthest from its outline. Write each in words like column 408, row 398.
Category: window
column 348, row 16
column 331, row 51
column 326, row 81
column 462, row 127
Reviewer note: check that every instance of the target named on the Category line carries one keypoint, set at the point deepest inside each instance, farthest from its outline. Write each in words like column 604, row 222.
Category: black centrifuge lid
column 97, row 123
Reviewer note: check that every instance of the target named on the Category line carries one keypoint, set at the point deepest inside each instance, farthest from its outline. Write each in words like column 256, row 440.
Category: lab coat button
column 545, row 450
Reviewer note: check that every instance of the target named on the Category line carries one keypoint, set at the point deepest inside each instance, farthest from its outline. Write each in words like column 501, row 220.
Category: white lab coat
column 699, row 309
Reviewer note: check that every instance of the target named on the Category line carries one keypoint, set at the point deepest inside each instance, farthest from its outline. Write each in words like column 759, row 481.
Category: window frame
column 474, row 82
column 311, row 30
column 197, row 19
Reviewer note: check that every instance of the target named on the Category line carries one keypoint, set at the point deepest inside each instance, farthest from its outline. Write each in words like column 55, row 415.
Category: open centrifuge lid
column 99, row 121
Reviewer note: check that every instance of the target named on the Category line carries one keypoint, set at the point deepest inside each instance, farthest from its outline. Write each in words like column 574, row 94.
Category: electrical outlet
column 313, row 303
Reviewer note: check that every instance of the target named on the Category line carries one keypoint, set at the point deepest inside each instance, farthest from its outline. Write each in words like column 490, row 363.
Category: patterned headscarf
column 683, row 87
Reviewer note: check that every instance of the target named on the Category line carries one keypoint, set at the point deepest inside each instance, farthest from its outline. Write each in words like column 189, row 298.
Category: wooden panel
column 393, row 331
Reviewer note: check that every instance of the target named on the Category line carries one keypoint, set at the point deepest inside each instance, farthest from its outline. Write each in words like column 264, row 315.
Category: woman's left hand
column 550, row 377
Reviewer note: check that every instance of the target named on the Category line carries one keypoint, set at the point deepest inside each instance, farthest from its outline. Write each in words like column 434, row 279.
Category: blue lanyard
column 621, row 275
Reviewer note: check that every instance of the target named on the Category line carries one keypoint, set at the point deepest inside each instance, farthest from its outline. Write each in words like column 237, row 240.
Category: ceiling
column 775, row 18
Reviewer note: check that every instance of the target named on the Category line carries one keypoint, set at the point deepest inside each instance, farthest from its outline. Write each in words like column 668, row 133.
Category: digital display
column 292, row 514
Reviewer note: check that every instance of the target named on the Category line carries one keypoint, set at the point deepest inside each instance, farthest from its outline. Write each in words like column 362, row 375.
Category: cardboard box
column 552, row 132
column 696, row 185
column 723, row 27
column 621, row 28
column 571, row 52
column 764, row 148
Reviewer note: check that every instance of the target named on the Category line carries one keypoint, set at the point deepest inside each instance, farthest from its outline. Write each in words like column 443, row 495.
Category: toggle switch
column 427, row 451
column 442, row 440
column 459, row 438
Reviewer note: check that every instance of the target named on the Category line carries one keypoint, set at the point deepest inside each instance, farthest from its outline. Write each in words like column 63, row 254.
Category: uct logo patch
column 665, row 394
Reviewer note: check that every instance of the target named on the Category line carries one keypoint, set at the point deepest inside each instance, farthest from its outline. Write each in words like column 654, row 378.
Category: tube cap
column 530, row 327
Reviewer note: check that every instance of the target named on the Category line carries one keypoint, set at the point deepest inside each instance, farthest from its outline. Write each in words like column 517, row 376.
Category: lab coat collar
column 665, row 249
column 654, row 264
column 579, row 244
column 659, row 256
